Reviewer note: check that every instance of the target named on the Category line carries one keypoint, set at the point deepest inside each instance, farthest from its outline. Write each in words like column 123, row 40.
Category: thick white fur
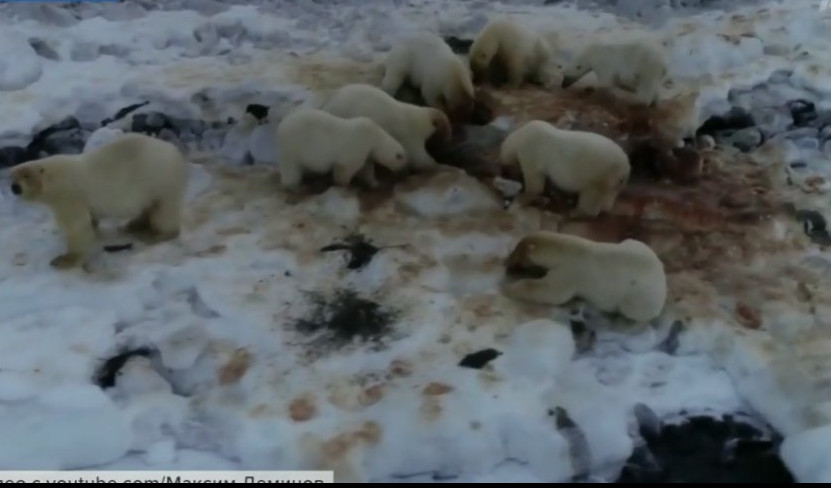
column 409, row 124
column 589, row 164
column 134, row 177
column 523, row 53
column 625, row 277
column 427, row 62
column 312, row 140
column 637, row 66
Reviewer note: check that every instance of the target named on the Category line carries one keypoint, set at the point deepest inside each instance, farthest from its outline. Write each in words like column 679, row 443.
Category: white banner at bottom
column 167, row 477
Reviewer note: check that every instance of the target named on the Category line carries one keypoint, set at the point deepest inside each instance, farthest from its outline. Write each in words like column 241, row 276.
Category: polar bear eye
column 399, row 156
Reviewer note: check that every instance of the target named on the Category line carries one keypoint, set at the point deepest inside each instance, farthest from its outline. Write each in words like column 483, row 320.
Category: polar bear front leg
column 291, row 176
column 590, row 202
column 343, row 172
column 367, row 175
column 516, row 67
column 394, row 77
column 164, row 220
column 75, row 223
column 534, row 183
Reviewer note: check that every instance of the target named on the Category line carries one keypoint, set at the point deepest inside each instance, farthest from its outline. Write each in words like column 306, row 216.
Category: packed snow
column 240, row 369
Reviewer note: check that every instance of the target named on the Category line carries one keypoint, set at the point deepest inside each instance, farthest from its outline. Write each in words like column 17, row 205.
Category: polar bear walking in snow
column 427, row 62
column 625, row 277
column 312, row 140
column 589, row 164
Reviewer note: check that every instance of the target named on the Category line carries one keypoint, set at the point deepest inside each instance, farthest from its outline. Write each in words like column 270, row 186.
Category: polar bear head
column 482, row 53
column 580, row 66
column 39, row 180
column 439, row 125
column 540, row 252
column 388, row 152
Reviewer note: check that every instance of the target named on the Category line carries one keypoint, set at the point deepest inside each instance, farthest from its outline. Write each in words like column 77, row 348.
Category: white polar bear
column 636, row 66
column 625, row 277
column 427, row 62
column 316, row 141
column 522, row 53
column 135, row 177
column 589, row 164
column 409, row 124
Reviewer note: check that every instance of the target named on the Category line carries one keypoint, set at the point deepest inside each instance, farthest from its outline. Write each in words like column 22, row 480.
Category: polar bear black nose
column 16, row 189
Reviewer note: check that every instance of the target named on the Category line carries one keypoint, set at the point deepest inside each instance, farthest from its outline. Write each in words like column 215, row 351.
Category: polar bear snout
column 26, row 182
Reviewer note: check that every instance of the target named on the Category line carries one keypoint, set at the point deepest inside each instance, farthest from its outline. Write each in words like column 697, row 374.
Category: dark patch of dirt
column 346, row 317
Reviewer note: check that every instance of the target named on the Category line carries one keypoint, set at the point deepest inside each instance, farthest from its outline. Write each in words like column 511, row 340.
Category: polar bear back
column 359, row 100
column 317, row 138
column 573, row 159
column 425, row 56
column 122, row 177
column 609, row 275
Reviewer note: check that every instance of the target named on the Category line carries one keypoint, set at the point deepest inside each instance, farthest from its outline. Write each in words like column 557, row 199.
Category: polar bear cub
column 637, row 66
column 589, row 164
column 427, row 62
column 523, row 53
column 409, row 124
column 625, row 277
column 134, row 177
column 312, row 140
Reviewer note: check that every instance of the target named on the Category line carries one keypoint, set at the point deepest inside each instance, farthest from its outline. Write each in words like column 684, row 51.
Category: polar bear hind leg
column 394, row 78
column 291, row 176
column 590, row 202
column 367, row 175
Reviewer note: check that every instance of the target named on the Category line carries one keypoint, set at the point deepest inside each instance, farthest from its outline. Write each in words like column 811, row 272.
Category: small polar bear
column 134, row 177
column 522, row 53
column 427, row 62
column 637, row 67
column 625, row 277
column 589, row 164
column 312, row 140
column 409, row 124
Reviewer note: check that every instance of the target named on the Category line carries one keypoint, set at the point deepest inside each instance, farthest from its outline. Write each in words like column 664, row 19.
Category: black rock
column 360, row 250
column 106, row 374
column 815, row 226
column 65, row 137
column 735, row 119
column 707, row 450
column 113, row 248
column 123, row 113
column 12, row 156
column 803, row 112
column 260, row 112
column 478, row 360
column 152, row 123
column 459, row 46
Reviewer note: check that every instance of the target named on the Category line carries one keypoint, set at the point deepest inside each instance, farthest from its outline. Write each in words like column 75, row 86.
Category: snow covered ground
column 249, row 369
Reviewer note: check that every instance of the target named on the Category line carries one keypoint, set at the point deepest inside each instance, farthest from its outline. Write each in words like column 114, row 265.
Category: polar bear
column 625, row 277
column 409, row 124
column 427, row 62
column 312, row 140
column 135, row 177
column 522, row 53
column 589, row 164
column 636, row 67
